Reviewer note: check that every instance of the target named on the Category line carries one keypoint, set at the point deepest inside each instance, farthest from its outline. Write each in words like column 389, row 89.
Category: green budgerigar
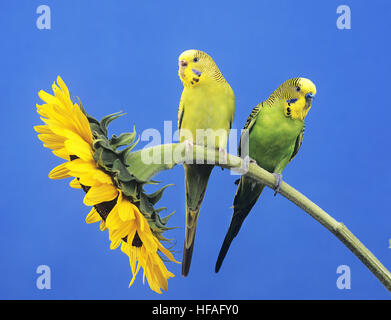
column 273, row 134
column 206, row 110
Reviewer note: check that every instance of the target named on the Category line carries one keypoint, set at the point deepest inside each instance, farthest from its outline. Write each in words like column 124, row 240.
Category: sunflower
column 100, row 169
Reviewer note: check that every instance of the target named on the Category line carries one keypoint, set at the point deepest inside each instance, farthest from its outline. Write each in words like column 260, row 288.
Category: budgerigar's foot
column 225, row 154
column 278, row 182
column 249, row 160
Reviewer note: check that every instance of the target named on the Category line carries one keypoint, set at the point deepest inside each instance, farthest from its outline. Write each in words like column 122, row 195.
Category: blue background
column 123, row 56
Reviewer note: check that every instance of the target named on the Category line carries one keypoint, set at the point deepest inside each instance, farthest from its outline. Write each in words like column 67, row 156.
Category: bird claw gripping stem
column 223, row 151
column 278, row 182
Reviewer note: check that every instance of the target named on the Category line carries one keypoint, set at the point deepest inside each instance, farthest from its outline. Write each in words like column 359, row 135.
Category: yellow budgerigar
column 206, row 112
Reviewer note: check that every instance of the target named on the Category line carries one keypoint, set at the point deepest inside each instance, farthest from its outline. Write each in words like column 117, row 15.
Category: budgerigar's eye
column 297, row 89
column 195, row 59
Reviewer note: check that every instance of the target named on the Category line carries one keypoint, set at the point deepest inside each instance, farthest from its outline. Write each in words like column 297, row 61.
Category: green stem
column 337, row 228
column 200, row 155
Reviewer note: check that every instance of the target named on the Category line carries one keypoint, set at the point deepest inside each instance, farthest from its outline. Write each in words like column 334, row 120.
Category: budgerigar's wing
column 246, row 195
column 298, row 143
column 252, row 118
column 180, row 113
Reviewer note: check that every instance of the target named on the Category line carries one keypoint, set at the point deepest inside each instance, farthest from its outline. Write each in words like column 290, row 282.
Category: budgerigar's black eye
column 195, row 59
column 297, row 89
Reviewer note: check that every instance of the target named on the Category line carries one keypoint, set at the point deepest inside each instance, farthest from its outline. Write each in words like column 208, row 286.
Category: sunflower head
column 110, row 155
column 98, row 165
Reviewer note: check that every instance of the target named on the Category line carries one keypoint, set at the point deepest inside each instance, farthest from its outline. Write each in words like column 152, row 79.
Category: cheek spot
column 196, row 79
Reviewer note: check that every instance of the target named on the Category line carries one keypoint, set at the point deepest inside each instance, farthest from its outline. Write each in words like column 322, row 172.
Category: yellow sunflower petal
column 147, row 238
column 63, row 86
column 112, row 220
column 43, row 129
column 102, row 226
column 101, row 176
column 88, row 173
column 82, row 124
column 93, row 216
column 79, row 148
column 85, row 180
column 48, row 98
column 59, row 172
column 59, row 94
column 121, row 232
column 75, row 184
column 125, row 209
column 61, row 153
column 52, row 139
column 115, row 244
column 100, row 193
column 140, row 218
column 135, row 274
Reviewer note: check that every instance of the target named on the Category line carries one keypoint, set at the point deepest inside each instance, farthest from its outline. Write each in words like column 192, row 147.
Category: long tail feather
column 191, row 226
column 245, row 198
column 196, row 181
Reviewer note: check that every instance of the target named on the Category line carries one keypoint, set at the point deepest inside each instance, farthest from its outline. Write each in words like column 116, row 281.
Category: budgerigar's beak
column 309, row 96
column 308, row 100
column 197, row 72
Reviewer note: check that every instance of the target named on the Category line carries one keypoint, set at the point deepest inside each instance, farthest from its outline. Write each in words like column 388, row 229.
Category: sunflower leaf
column 157, row 195
column 166, row 218
column 123, row 140
column 145, row 205
column 108, row 119
column 130, row 188
column 121, row 171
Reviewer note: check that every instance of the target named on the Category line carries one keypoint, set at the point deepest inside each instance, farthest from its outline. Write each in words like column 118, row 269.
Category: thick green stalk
column 337, row 228
column 162, row 160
